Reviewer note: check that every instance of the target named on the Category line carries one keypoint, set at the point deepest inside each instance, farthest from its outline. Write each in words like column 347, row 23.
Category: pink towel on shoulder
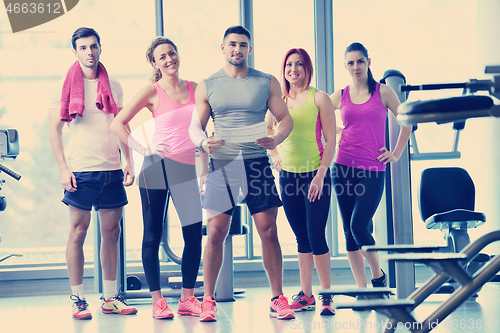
column 73, row 93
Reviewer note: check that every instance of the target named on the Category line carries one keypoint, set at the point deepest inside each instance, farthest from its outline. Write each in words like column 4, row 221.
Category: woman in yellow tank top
column 303, row 161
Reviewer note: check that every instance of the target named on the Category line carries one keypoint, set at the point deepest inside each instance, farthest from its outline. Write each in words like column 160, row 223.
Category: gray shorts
column 250, row 181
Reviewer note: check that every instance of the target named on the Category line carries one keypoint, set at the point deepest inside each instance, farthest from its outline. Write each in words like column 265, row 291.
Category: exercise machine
column 9, row 148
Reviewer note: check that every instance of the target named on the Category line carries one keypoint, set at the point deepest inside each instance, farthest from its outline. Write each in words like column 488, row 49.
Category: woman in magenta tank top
column 358, row 173
column 168, row 170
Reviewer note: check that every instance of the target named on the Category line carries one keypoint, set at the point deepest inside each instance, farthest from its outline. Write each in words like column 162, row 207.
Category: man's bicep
column 278, row 109
column 203, row 108
column 275, row 103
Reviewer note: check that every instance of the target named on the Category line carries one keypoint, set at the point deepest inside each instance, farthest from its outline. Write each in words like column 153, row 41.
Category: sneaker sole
column 111, row 311
column 169, row 316
column 305, row 308
column 188, row 313
column 287, row 316
column 84, row 317
column 208, row 318
column 327, row 312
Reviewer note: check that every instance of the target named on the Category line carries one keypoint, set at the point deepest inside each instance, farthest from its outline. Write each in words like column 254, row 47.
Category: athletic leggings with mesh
column 159, row 179
column 358, row 194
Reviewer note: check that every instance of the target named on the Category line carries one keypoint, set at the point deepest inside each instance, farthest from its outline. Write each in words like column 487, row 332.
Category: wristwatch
column 200, row 147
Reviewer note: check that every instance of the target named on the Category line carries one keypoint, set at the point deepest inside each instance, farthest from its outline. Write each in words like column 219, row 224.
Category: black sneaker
column 326, row 307
column 381, row 282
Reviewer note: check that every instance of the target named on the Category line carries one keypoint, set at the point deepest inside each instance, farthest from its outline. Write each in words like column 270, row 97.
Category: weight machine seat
column 447, row 199
column 447, row 110
column 453, row 104
column 454, row 219
column 402, row 248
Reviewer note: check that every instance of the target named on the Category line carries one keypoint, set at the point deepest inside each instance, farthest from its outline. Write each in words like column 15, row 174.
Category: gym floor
column 249, row 313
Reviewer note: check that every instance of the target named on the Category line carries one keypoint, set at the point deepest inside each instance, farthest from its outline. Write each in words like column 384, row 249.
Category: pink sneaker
column 161, row 310
column 189, row 307
column 280, row 309
column 208, row 309
column 303, row 303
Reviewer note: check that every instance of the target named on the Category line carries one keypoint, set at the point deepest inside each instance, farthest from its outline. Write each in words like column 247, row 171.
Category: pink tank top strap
column 377, row 89
column 158, row 89
column 345, row 95
column 191, row 91
column 161, row 94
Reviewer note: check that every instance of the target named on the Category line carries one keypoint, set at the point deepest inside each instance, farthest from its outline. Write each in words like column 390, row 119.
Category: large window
column 428, row 41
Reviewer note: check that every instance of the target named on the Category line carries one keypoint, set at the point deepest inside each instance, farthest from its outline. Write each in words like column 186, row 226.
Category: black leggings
column 307, row 219
column 358, row 194
column 156, row 176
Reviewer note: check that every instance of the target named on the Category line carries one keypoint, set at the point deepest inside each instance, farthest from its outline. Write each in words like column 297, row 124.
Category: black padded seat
column 447, row 199
column 455, row 219
column 446, row 110
column 452, row 104
column 399, row 248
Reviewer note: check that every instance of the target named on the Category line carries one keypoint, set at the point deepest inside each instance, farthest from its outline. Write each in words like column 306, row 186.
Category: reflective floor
column 249, row 313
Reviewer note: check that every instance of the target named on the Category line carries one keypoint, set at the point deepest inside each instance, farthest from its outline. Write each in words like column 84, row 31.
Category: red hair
column 308, row 67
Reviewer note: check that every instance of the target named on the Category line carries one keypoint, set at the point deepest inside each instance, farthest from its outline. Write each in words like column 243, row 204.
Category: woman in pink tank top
column 168, row 170
column 358, row 173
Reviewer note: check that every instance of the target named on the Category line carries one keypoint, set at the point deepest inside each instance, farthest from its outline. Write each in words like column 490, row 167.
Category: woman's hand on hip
column 157, row 148
column 386, row 156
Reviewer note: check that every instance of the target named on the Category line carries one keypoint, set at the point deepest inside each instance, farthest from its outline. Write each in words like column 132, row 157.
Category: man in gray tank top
column 237, row 98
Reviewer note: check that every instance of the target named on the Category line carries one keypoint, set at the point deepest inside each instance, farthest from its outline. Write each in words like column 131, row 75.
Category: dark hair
column 150, row 57
column 82, row 33
column 237, row 29
column 372, row 84
column 308, row 67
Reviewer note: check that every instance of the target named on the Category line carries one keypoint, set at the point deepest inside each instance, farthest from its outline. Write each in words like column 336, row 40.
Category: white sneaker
column 80, row 308
column 117, row 304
